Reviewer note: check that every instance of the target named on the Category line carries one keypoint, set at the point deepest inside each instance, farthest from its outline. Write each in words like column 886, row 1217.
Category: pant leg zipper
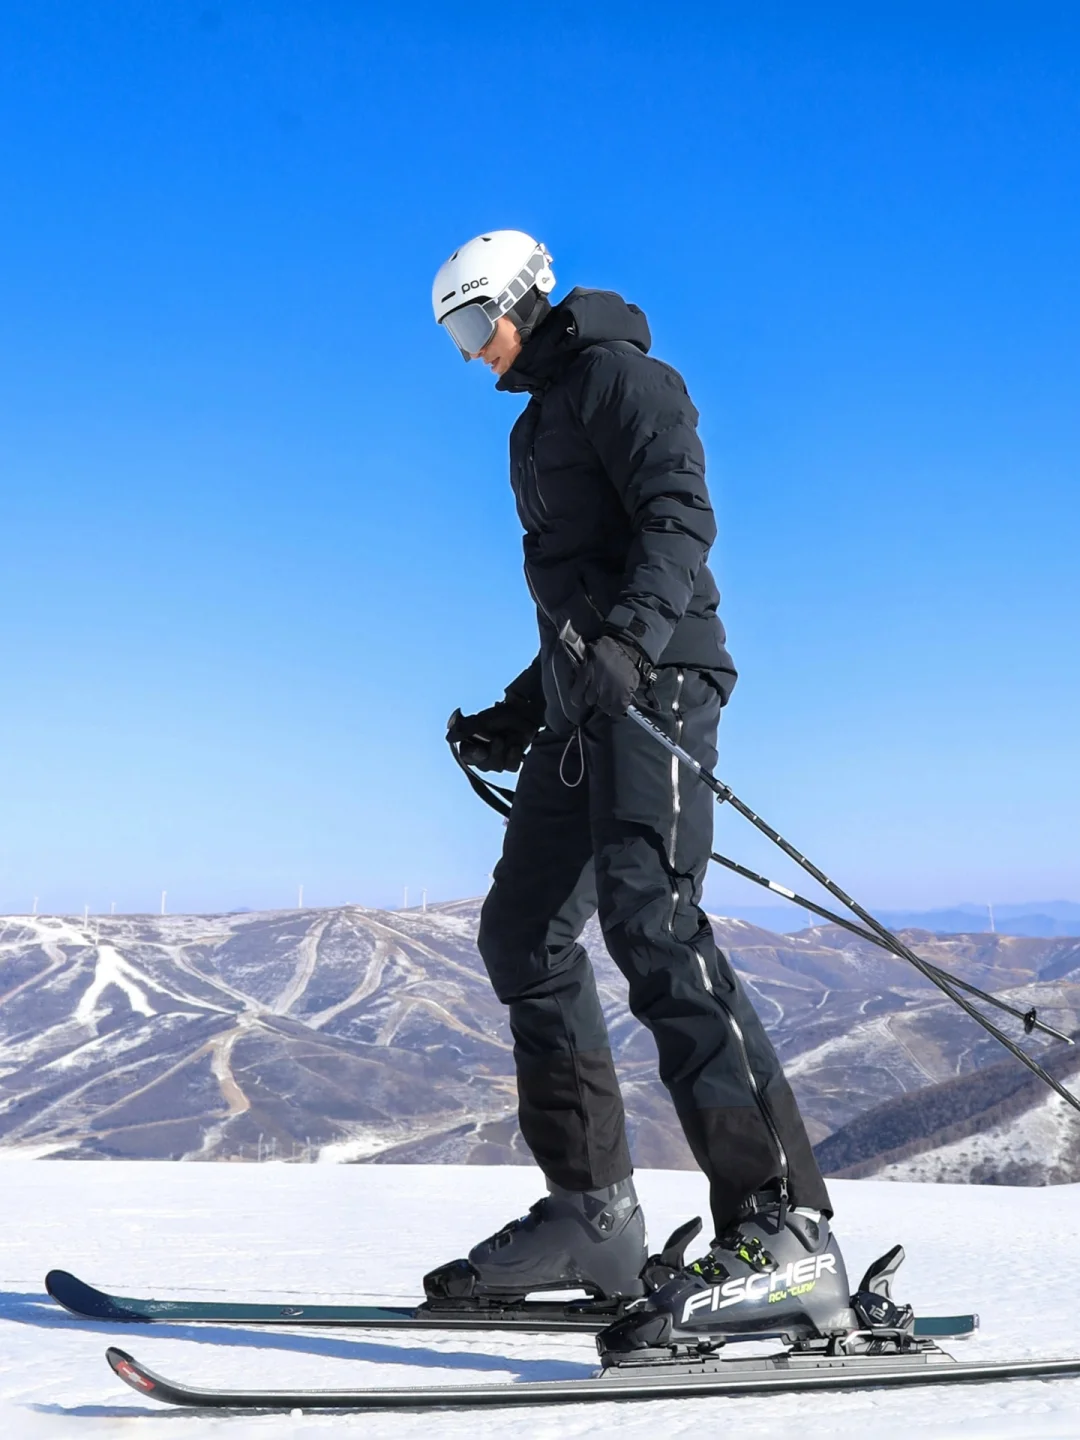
column 676, row 798
column 736, row 1028
column 755, row 1088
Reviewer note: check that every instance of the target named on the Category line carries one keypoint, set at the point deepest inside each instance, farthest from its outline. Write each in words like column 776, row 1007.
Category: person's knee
column 501, row 952
column 635, row 897
column 639, row 940
column 524, row 963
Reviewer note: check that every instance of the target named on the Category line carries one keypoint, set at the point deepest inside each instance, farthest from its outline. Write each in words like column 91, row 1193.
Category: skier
column 609, row 477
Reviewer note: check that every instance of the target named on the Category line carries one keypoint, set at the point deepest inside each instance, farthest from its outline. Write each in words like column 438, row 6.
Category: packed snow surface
column 359, row 1232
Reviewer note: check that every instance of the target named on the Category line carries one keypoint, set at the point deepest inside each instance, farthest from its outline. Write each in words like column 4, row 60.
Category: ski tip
column 83, row 1300
column 128, row 1369
column 57, row 1280
column 71, row 1292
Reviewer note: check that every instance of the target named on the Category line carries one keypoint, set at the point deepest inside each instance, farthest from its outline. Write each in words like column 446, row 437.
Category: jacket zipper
column 537, row 511
column 551, row 622
column 532, row 502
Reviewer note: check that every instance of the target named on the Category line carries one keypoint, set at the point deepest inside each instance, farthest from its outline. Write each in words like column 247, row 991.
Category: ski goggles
column 472, row 326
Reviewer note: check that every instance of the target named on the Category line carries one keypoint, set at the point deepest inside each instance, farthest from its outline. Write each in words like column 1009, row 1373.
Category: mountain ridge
column 359, row 1034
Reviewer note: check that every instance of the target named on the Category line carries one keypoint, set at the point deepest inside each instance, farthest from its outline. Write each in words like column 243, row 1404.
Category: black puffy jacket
column 609, row 477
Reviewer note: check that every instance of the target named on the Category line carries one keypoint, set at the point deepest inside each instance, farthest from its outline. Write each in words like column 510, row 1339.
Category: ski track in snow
column 220, row 1050
column 892, row 1047
column 425, row 951
column 369, row 983
column 369, row 1232
column 892, row 1027
column 307, row 954
column 111, row 969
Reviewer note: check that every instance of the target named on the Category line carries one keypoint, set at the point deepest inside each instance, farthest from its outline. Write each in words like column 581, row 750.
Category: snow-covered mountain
column 373, row 1035
column 1000, row 1124
column 1045, row 917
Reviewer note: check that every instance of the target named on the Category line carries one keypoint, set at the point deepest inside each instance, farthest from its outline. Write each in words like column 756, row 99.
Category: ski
column 538, row 1316
column 535, row 1316
column 785, row 1371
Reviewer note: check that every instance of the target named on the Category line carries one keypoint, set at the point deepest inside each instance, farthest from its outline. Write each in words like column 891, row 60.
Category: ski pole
column 1030, row 1018
column 500, row 799
column 575, row 647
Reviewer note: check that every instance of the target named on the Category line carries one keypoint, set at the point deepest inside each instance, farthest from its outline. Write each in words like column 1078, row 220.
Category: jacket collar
column 584, row 318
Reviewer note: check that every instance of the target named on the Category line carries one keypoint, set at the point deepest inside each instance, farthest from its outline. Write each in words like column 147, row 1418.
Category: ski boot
column 592, row 1240
column 776, row 1272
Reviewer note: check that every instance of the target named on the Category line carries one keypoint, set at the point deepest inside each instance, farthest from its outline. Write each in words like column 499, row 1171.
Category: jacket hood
column 584, row 318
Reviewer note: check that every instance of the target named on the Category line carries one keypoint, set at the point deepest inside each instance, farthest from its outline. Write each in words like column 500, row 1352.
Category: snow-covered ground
column 369, row 1232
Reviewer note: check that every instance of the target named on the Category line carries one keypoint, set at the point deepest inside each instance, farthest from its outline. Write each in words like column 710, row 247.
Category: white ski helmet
column 485, row 279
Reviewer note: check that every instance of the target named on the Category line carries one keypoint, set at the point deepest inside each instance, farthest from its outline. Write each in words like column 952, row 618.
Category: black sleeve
column 526, row 692
column 643, row 426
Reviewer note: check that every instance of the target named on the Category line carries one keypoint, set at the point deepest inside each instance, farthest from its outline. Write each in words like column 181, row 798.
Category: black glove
column 611, row 676
column 495, row 738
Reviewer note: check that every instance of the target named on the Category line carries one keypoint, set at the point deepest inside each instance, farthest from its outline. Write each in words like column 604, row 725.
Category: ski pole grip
column 572, row 643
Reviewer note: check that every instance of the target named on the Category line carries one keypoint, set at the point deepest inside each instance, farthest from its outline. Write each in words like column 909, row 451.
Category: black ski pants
column 618, row 827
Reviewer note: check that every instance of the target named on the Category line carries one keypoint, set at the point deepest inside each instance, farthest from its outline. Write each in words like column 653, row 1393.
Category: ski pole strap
column 497, row 796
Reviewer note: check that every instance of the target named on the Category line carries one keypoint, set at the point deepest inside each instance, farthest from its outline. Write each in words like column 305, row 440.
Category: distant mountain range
column 1048, row 918
column 1044, row 917
column 374, row 1036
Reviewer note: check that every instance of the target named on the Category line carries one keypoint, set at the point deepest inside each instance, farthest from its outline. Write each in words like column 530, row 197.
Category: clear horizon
column 1000, row 909
column 258, row 537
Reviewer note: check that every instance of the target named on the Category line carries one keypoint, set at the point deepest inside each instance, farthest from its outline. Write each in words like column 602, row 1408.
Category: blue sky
column 257, row 538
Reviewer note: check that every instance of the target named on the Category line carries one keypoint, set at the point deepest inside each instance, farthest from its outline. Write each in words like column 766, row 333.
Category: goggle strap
column 522, row 282
column 517, row 289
